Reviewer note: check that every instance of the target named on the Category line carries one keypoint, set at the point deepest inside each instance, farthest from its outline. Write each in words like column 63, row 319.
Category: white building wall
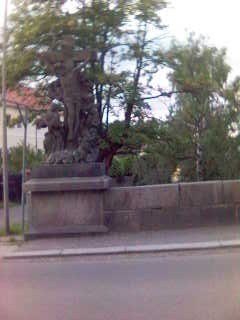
column 15, row 135
column 34, row 137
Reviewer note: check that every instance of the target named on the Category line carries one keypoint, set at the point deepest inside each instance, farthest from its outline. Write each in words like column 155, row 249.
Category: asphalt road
column 202, row 285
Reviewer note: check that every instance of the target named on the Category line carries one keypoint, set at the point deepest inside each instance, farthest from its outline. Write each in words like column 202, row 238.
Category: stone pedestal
column 65, row 206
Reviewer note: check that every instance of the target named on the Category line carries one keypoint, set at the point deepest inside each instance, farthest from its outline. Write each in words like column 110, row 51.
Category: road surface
column 190, row 286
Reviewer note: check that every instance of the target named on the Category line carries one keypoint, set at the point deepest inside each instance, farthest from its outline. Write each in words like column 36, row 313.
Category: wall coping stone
column 149, row 186
column 67, row 184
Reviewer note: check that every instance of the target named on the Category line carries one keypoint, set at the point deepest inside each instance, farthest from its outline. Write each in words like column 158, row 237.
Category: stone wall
column 172, row 205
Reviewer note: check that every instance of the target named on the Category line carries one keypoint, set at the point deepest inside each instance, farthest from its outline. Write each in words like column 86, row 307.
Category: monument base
column 46, row 171
column 64, row 232
column 65, row 206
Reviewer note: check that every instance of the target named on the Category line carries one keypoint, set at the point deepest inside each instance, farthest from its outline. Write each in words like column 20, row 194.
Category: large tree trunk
column 199, row 162
column 199, row 157
column 107, row 154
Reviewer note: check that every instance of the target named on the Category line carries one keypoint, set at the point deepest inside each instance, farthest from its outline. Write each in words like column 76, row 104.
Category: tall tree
column 199, row 76
column 121, row 32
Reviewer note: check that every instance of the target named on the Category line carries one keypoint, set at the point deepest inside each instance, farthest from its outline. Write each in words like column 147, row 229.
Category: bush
column 116, row 170
column 151, row 169
column 127, row 163
column 33, row 158
column 121, row 166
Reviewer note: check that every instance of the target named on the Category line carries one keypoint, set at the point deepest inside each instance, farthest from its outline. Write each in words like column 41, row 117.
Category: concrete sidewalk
column 122, row 243
column 6, row 249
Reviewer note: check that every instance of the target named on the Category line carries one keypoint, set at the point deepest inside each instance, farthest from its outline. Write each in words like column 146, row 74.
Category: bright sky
column 217, row 20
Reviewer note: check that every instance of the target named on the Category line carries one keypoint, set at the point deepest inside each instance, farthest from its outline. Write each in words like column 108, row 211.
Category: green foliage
column 33, row 158
column 152, row 161
column 15, row 229
column 198, row 69
column 221, row 151
column 204, row 112
column 116, row 170
column 132, row 139
column 206, row 108
column 116, row 131
column 122, row 166
column 127, row 163
column 120, row 32
column 151, row 168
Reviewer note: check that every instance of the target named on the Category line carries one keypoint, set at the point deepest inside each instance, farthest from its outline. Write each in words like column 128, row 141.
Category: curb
column 7, row 249
column 10, row 240
column 123, row 250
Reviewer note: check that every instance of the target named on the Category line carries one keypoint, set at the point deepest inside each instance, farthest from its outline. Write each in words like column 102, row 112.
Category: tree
column 119, row 30
column 204, row 111
column 200, row 76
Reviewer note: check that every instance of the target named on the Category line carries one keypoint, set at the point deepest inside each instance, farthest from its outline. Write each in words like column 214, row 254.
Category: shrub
column 33, row 158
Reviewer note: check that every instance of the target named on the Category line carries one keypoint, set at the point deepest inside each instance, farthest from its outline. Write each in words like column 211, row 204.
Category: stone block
column 109, row 219
column 163, row 218
column 155, row 219
column 119, row 198
column 124, row 220
column 66, row 231
column 65, row 206
column 46, row 171
column 209, row 215
column 187, row 217
column 145, row 219
column 227, row 215
column 57, row 209
column 200, row 193
column 231, row 191
column 67, row 184
column 157, row 196
column 144, row 197
column 217, row 214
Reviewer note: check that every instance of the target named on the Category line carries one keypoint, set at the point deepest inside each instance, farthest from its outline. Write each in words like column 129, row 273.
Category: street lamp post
column 25, row 124
column 4, row 126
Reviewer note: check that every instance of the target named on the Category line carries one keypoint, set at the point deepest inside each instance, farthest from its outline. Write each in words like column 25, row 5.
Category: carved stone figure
column 54, row 137
column 80, row 127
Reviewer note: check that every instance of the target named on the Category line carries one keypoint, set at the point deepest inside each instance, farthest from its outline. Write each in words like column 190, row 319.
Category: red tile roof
column 27, row 97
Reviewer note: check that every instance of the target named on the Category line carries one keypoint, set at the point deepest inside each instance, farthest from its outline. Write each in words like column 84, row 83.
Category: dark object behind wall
column 15, row 187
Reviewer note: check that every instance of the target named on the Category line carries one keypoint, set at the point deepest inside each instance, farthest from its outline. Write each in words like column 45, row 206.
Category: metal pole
column 25, row 123
column 36, row 139
column 4, row 127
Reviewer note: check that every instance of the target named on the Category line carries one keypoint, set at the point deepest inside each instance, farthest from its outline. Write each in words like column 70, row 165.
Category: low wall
column 172, row 205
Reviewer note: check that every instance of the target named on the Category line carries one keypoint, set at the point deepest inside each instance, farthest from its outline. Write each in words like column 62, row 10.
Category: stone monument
column 65, row 195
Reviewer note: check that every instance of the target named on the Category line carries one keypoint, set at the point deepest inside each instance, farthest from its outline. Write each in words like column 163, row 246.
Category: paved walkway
column 7, row 249
column 204, row 234
column 196, row 238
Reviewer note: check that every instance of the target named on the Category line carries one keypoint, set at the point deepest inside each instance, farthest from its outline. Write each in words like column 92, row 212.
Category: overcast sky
column 217, row 20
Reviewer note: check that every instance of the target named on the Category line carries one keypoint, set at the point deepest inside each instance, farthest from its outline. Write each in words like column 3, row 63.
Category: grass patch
column 10, row 204
column 15, row 229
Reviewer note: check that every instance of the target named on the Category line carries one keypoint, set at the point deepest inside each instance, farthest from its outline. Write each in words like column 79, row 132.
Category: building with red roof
column 19, row 99
column 27, row 97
